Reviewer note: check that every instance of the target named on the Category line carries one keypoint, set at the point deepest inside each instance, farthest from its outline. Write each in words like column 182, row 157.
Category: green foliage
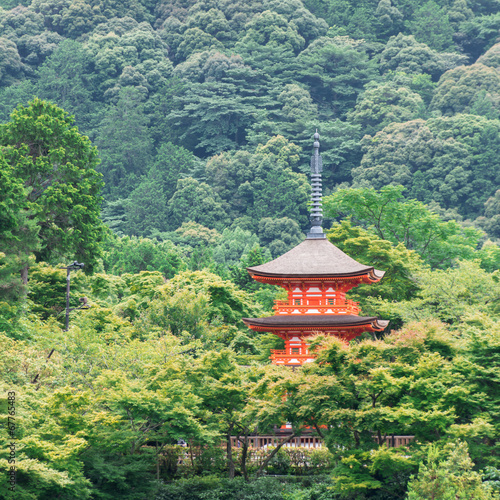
column 57, row 166
column 132, row 255
column 410, row 222
column 459, row 89
column 124, row 143
column 64, row 79
column 431, row 25
column 261, row 184
column 378, row 473
column 232, row 245
column 403, row 53
column 450, row 478
column 451, row 294
column 335, row 70
column 384, row 103
column 198, row 202
column 397, row 262
column 161, row 354
column 48, row 291
column 225, row 300
column 445, row 160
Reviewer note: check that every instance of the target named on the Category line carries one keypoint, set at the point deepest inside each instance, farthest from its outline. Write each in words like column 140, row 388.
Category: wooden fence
column 256, row 442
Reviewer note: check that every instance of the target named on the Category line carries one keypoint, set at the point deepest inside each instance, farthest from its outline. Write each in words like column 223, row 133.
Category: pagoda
column 316, row 275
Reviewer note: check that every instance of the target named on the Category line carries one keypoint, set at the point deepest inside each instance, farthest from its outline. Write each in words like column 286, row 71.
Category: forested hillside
column 165, row 145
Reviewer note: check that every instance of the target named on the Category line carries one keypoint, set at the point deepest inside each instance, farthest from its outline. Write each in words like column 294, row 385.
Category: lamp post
column 74, row 266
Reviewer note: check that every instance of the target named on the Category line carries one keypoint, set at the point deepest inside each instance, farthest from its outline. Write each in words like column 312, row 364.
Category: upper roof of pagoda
column 315, row 258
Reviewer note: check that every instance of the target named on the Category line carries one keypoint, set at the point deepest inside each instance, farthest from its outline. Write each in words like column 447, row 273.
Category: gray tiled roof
column 314, row 258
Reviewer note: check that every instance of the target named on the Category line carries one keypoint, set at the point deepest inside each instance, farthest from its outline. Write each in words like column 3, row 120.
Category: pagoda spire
column 316, row 231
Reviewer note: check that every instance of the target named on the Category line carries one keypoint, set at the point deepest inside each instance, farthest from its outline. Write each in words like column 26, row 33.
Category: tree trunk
column 157, row 462
column 244, row 455
column 278, row 448
column 229, row 450
column 24, row 274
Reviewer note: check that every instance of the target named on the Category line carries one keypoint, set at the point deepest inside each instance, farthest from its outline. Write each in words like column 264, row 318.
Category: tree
column 384, row 103
column 198, row 202
column 57, row 166
column 124, row 143
column 391, row 217
column 279, row 235
column 65, row 79
column 389, row 19
column 431, row 25
column 491, row 220
column 19, row 233
column 478, row 34
column 491, row 57
column 404, row 53
column 133, row 255
column 26, row 29
column 335, row 70
column 452, row 294
column 482, row 138
column 458, row 89
column 253, row 185
column 219, row 104
column 233, row 244
column 398, row 263
column 448, row 477
column 412, row 155
column 124, row 53
column 11, row 66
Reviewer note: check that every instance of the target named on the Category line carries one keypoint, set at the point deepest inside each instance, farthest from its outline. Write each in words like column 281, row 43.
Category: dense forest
column 165, row 145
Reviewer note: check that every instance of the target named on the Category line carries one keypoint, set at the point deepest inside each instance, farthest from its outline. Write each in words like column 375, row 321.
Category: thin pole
column 68, row 271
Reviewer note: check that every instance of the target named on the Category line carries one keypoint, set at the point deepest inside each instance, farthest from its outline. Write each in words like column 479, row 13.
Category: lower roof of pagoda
column 312, row 322
column 314, row 258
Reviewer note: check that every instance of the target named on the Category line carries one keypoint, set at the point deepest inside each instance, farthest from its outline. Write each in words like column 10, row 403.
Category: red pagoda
column 317, row 275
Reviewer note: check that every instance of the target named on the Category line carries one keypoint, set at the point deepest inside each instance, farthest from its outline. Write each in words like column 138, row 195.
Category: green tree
column 452, row 294
column 124, row 143
column 431, row 25
column 482, row 138
column 460, row 88
column 254, row 185
column 133, row 255
column 219, row 103
column 398, row 263
column 65, row 79
column 233, row 244
column 404, row 53
column 279, row 235
column 198, row 202
column 448, row 477
column 389, row 18
column 57, row 165
column 384, row 103
column 392, row 218
column 19, row 233
column 491, row 220
column 335, row 70
column 478, row 33
column 412, row 155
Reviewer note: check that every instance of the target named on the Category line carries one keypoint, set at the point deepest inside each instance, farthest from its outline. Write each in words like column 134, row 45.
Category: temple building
column 316, row 275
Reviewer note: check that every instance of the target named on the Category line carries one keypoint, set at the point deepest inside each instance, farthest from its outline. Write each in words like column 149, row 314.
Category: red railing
column 322, row 305
column 281, row 355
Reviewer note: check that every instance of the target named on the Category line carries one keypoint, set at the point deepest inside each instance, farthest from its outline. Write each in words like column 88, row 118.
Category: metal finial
column 316, row 217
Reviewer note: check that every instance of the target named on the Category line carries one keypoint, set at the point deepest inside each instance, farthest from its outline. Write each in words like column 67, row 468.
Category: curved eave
column 313, row 322
column 371, row 275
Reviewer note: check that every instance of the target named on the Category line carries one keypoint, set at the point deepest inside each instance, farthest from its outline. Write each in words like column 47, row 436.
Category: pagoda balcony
column 284, row 357
column 316, row 306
